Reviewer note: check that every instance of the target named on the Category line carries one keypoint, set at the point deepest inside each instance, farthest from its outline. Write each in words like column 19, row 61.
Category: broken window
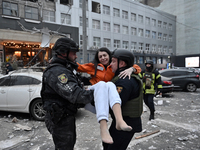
column 66, row 2
column 10, row 9
column 96, row 7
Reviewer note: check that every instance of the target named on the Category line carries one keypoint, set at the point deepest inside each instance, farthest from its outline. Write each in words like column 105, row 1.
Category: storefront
column 24, row 43
column 26, row 54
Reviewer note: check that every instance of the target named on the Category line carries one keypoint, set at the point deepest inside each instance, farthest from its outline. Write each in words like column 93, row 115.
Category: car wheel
column 37, row 110
column 191, row 87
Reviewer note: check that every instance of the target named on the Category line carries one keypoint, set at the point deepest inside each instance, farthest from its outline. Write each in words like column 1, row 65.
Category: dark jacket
column 62, row 86
column 128, row 90
column 8, row 68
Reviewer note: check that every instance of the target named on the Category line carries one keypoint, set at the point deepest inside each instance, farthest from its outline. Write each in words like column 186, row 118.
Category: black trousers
column 148, row 100
column 63, row 133
column 121, row 139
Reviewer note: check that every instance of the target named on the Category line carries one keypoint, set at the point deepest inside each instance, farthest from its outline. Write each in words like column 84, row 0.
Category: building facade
column 29, row 29
column 187, row 29
column 147, row 32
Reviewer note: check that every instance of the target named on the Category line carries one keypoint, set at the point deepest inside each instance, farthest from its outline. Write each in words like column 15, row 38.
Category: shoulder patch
column 63, row 78
column 119, row 89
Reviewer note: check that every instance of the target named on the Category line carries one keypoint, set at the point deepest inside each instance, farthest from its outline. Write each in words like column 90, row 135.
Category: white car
column 20, row 92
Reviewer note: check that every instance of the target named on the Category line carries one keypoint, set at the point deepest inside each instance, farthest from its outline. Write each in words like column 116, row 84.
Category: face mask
column 149, row 68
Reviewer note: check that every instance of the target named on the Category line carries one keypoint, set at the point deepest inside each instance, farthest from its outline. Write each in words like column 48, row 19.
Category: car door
column 4, row 87
column 179, row 79
column 20, row 93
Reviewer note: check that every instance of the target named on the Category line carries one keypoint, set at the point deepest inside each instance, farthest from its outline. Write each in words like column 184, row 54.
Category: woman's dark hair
column 96, row 58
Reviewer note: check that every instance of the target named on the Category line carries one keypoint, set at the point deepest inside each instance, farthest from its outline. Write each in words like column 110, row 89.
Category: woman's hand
column 127, row 72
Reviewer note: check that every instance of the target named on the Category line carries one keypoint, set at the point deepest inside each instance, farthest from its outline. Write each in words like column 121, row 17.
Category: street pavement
column 176, row 127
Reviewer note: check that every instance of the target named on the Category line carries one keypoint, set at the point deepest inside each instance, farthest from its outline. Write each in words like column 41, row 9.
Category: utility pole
column 84, row 36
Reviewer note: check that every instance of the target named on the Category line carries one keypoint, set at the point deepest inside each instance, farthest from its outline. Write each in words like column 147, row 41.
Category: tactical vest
column 48, row 99
column 148, row 79
column 134, row 107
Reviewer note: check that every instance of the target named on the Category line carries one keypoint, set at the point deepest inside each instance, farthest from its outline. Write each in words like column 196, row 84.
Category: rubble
column 178, row 125
column 21, row 127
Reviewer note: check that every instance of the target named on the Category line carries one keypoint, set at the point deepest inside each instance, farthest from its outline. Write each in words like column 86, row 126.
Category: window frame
column 140, row 32
column 124, row 14
column 31, row 13
column 106, row 26
column 140, row 46
column 116, row 27
column 147, row 46
column 67, row 19
column 133, row 45
column 97, row 41
column 159, row 36
column 116, row 12
column 125, row 29
column 147, row 20
column 133, row 31
column 147, row 33
column 125, row 44
column 11, row 10
column 159, row 23
column 96, row 24
column 106, row 42
column 116, row 43
column 49, row 15
column 106, row 10
column 133, row 17
column 140, row 19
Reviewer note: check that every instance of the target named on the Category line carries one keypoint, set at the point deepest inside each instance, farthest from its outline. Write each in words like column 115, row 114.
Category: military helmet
column 149, row 62
column 65, row 45
column 125, row 55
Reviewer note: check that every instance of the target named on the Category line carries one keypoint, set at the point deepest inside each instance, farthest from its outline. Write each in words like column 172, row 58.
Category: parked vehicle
column 184, row 79
column 196, row 70
column 167, row 85
column 20, row 92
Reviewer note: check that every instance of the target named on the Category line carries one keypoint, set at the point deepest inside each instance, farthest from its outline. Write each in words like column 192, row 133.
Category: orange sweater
column 102, row 73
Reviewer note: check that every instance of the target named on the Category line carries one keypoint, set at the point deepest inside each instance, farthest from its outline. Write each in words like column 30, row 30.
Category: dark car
column 167, row 85
column 183, row 79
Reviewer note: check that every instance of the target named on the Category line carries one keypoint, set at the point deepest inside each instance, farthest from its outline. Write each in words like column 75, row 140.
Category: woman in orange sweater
column 100, row 70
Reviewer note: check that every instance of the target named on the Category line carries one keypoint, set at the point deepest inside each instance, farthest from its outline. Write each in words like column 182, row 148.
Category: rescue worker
column 62, row 94
column 130, row 91
column 151, row 81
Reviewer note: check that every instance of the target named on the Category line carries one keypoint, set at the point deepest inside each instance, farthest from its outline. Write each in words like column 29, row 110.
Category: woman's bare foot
column 121, row 125
column 105, row 136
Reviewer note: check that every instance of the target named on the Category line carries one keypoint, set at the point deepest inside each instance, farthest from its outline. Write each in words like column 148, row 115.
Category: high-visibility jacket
column 156, row 81
column 102, row 74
